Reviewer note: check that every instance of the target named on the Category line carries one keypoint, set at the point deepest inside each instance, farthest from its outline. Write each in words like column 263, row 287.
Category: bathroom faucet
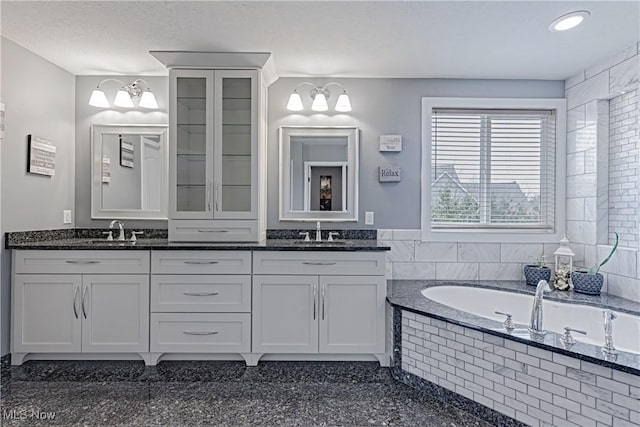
column 536, row 327
column 608, row 348
column 120, row 225
column 318, row 233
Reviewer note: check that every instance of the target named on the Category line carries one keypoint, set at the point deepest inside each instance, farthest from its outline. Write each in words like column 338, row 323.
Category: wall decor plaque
column 389, row 174
column 41, row 157
column 391, row 143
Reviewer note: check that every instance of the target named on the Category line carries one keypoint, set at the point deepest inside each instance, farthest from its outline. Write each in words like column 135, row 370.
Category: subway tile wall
column 412, row 259
column 532, row 385
column 594, row 180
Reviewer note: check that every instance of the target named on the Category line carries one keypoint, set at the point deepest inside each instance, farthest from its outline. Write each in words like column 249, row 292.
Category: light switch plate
column 368, row 218
column 66, row 216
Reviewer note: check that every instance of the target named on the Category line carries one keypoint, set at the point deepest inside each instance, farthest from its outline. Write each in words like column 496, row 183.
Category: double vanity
column 215, row 285
column 282, row 299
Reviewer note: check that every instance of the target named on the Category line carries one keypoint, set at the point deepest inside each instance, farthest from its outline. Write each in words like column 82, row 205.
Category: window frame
column 510, row 234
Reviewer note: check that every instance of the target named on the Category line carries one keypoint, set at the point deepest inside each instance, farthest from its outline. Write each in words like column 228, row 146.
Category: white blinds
column 493, row 168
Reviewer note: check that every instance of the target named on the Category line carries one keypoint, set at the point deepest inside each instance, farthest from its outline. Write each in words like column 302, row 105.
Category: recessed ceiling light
column 569, row 21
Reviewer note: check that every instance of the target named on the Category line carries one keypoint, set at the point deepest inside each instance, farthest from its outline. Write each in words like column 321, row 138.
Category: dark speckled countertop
column 164, row 244
column 406, row 294
column 156, row 239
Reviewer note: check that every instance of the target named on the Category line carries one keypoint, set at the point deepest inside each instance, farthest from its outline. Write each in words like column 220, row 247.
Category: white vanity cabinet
column 319, row 302
column 200, row 303
column 85, row 310
column 217, row 167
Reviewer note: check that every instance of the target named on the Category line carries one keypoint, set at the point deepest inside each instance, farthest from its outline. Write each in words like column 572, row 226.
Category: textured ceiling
column 452, row 39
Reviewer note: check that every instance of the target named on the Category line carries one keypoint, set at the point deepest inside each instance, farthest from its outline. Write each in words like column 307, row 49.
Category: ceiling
column 437, row 39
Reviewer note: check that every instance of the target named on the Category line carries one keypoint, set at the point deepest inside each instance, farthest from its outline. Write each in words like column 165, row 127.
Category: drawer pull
column 78, row 261
column 199, row 333
column 200, row 294
column 318, row 263
column 201, row 262
column 212, row 231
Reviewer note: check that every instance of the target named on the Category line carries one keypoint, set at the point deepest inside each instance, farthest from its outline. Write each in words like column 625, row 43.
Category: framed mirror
column 318, row 173
column 129, row 172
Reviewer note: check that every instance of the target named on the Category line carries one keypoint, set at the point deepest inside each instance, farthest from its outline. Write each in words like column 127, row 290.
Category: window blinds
column 493, row 168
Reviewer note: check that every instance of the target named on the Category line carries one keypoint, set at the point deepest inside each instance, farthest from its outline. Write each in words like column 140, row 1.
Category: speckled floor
column 216, row 393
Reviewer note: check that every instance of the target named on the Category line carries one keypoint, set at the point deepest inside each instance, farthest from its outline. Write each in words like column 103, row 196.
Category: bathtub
column 484, row 302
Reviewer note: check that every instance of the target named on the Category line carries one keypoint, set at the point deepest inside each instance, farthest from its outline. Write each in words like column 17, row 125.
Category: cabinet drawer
column 200, row 333
column 83, row 262
column 343, row 263
column 201, row 293
column 201, row 262
column 214, row 231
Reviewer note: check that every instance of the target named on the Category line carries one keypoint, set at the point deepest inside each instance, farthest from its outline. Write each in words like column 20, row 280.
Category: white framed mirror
column 318, row 173
column 129, row 172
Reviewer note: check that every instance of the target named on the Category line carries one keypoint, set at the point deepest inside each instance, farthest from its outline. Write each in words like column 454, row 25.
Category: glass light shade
column 148, row 100
column 344, row 103
column 98, row 99
column 123, row 99
column 320, row 103
column 295, row 102
column 569, row 21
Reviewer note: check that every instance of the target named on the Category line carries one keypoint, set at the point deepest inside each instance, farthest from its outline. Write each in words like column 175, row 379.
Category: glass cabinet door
column 235, row 145
column 192, row 151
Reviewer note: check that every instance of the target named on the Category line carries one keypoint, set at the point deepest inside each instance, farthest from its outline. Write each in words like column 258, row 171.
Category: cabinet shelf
column 193, row 128
column 193, row 103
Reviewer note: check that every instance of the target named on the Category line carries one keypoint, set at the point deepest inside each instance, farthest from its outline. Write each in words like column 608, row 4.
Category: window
column 490, row 168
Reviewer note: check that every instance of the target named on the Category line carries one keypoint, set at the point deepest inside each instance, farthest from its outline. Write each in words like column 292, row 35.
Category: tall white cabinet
column 217, row 154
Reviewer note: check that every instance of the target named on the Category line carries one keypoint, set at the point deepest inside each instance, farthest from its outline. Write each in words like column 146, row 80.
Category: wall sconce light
column 319, row 96
column 125, row 95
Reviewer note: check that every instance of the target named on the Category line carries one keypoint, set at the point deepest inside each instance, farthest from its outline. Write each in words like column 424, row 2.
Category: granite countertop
column 164, row 244
column 406, row 294
column 156, row 239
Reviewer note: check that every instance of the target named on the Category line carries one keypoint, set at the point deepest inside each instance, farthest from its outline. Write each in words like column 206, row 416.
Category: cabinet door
column 235, row 146
column 191, row 144
column 352, row 314
column 115, row 313
column 285, row 313
column 46, row 313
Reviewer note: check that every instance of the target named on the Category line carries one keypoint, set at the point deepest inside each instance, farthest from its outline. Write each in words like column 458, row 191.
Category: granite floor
column 216, row 393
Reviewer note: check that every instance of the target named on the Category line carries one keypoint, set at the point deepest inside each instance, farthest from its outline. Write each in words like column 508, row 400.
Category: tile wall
column 588, row 167
column 532, row 385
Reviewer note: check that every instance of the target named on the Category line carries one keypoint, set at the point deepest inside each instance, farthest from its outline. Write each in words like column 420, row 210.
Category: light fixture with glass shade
column 569, row 20
column 137, row 89
column 320, row 95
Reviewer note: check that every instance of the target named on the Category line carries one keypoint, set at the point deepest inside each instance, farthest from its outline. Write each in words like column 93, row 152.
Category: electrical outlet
column 66, row 216
column 368, row 218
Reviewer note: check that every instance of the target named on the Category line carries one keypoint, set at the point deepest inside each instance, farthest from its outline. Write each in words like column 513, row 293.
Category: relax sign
column 389, row 174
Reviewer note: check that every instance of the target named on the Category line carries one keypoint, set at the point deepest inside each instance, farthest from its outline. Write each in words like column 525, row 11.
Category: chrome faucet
column 318, row 233
column 536, row 326
column 120, row 225
column 608, row 348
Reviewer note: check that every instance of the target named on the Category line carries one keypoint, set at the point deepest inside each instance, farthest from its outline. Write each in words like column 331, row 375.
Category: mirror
column 129, row 171
column 319, row 174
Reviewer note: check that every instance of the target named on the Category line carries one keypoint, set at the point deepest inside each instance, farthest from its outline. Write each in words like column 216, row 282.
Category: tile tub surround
column 221, row 393
column 533, row 386
column 406, row 295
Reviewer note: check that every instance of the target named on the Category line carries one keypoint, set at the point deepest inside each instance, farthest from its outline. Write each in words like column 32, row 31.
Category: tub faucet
column 608, row 348
column 536, row 327
column 120, row 225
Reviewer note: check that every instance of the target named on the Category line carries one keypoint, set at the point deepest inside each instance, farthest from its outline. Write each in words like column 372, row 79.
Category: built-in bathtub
column 485, row 302
column 449, row 343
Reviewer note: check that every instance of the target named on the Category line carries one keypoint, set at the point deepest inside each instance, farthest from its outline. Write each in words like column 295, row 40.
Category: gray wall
column 383, row 106
column 39, row 99
column 87, row 115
